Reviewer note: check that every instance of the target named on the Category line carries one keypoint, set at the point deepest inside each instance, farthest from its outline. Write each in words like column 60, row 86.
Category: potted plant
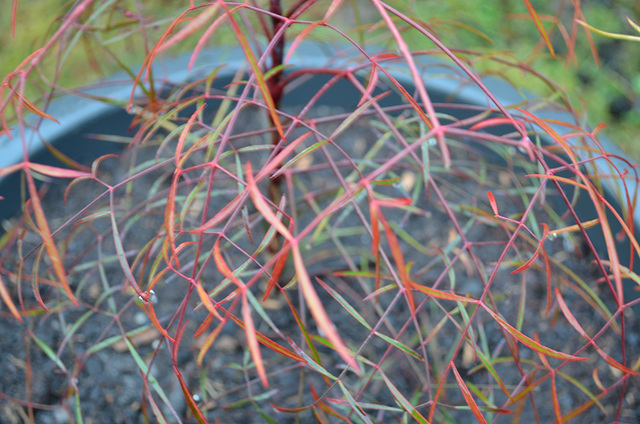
column 318, row 230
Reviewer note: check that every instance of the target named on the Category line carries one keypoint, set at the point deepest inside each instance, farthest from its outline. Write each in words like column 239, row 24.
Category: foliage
column 377, row 265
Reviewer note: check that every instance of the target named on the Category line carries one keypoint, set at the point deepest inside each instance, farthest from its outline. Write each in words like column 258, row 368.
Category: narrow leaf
column 151, row 313
column 371, row 85
column 467, row 395
column 530, row 342
column 576, row 227
column 24, row 102
column 441, row 294
column 576, row 325
column 404, row 403
column 318, row 312
column 49, row 352
column 252, row 341
column 6, row 298
column 288, row 149
column 540, row 27
column 195, row 24
column 277, row 271
column 612, row 35
column 183, row 136
column 206, row 300
column 257, row 72
column 492, row 202
column 263, row 208
column 47, row 239
column 193, row 406
column 55, row 172
column 268, row 342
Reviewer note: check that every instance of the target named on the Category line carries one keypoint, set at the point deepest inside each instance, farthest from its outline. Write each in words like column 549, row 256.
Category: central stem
column 274, row 84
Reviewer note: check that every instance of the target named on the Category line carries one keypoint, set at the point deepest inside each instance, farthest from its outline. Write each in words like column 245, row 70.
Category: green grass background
column 609, row 93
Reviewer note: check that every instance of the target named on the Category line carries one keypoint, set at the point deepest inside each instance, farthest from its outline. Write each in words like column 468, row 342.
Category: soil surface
column 74, row 360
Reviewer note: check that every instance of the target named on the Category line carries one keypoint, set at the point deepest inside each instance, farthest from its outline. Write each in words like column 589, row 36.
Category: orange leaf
column 169, row 220
column 7, row 301
column 576, row 325
column 528, row 263
column 203, row 326
column 270, row 343
column 299, row 38
column 492, row 202
column 375, row 228
column 183, row 135
column 398, row 257
column 318, row 312
column 47, row 240
column 252, row 341
column 540, row 27
column 279, row 159
column 223, row 214
column 530, row 342
column 196, row 23
column 206, row 300
column 492, row 122
column 263, row 208
column 397, row 202
column 193, row 406
column 371, row 85
column 562, row 179
column 55, row 172
column 277, row 271
column 154, row 319
column 33, row 108
column 576, row 227
column 211, row 338
column 440, row 294
column 467, row 395
column 224, row 268
column 257, row 72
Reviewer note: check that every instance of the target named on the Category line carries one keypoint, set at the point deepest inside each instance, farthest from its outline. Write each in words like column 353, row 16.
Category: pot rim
column 74, row 110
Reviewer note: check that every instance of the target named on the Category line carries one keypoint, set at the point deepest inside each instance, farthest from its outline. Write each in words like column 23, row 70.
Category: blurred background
column 602, row 79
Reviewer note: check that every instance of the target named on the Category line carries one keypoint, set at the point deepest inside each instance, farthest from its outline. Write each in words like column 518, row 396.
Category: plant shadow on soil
column 111, row 387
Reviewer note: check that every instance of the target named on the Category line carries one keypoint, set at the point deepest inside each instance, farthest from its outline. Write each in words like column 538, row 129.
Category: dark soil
column 108, row 385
